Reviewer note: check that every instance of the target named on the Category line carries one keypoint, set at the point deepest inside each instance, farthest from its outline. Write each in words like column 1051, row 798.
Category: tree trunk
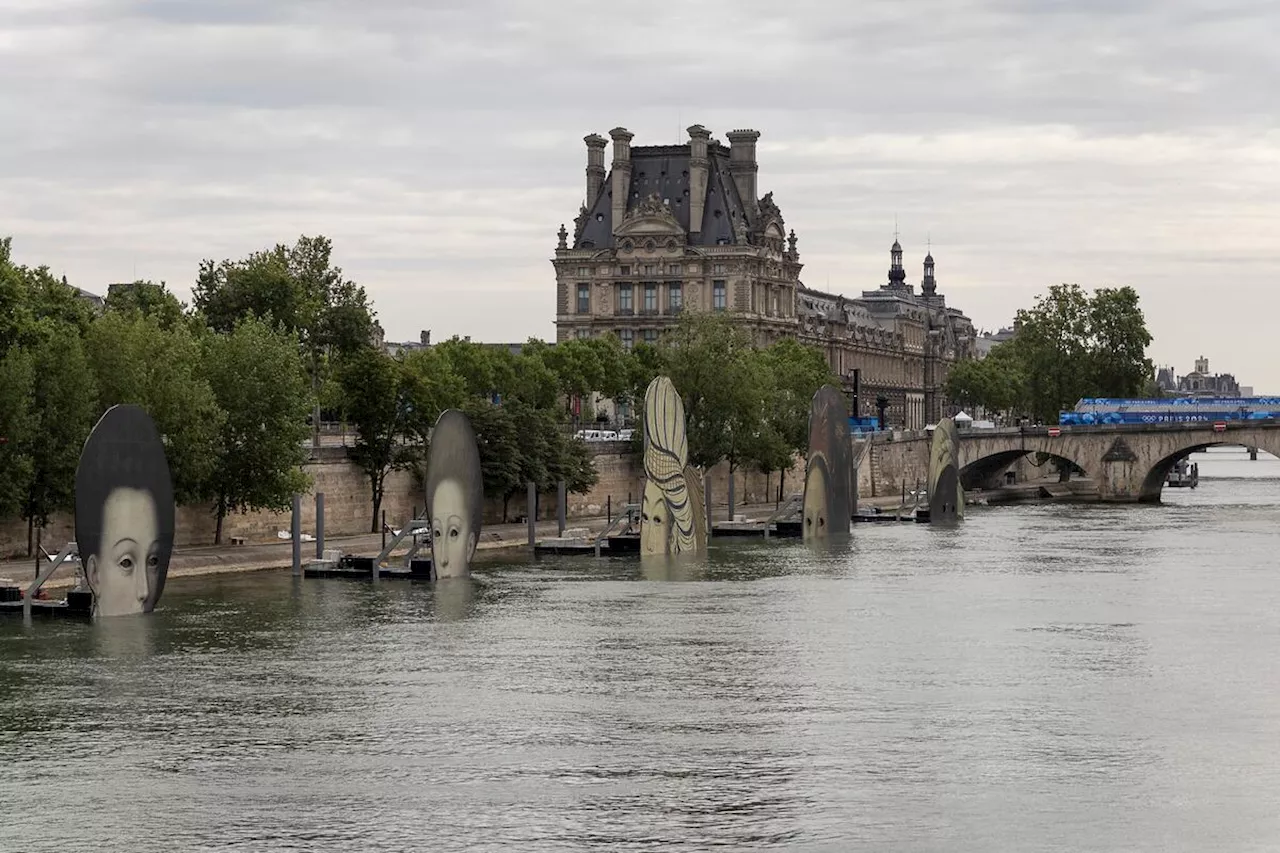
column 376, row 482
column 315, row 393
column 506, row 499
column 782, row 478
column 217, row 530
column 31, row 529
column 731, row 469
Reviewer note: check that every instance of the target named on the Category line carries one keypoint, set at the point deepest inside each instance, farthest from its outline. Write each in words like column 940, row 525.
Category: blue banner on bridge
column 1183, row 410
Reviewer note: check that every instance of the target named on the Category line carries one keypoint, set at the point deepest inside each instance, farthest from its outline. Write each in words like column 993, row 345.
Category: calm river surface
column 1042, row 678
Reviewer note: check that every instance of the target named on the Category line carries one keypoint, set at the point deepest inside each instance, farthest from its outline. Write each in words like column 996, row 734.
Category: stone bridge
column 1127, row 463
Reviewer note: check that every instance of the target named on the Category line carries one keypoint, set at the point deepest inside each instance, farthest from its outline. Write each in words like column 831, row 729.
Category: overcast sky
column 439, row 144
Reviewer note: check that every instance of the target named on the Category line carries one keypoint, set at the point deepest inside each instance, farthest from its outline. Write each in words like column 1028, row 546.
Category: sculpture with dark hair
column 124, row 454
column 454, row 460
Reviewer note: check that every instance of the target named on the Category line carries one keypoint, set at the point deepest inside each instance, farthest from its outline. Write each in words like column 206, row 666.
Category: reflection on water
column 1036, row 678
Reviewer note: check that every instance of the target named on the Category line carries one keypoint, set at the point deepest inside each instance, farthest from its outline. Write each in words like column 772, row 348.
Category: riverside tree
column 257, row 376
column 299, row 291
column 1068, row 345
column 147, row 299
column 743, row 405
column 17, row 420
column 392, row 403
column 64, row 402
column 153, row 360
column 796, row 373
column 49, row 400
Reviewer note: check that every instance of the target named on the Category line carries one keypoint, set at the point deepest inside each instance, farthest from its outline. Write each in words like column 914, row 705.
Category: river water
column 1041, row 678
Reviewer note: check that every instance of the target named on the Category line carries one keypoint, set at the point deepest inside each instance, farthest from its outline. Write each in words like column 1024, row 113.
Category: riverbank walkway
column 278, row 554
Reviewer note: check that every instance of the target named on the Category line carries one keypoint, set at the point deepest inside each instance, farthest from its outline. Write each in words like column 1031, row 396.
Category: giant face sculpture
column 669, row 522
column 828, row 475
column 946, row 494
column 455, row 495
column 124, row 513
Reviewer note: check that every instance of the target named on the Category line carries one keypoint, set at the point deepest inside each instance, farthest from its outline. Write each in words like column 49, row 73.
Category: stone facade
column 673, row 228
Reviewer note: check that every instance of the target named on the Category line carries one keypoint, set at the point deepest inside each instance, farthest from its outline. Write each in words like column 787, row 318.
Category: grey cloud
column 439, row 144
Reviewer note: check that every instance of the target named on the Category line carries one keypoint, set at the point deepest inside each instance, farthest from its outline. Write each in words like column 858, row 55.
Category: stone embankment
column 208, row 560
column 227, row 559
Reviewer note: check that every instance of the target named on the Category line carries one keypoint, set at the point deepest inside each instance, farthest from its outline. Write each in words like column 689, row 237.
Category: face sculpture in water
column 946, row 493
column 124, row 513
column 455, row 495
column 453, row 542
column 671, row 502
column 828, row 502
column 816, row 509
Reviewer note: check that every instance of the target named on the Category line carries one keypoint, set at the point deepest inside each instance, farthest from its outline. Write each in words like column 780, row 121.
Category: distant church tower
column 897, row 275
column 928, row 285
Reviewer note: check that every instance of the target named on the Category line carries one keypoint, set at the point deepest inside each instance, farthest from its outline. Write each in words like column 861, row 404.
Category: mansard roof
column 664, row 170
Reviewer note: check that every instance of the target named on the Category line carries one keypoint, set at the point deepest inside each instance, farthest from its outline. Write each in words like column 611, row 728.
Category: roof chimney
column 595, row 166
column 743, row 166
column 699, row 136
column 621, row 172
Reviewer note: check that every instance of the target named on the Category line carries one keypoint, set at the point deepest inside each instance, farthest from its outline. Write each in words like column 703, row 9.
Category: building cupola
column 897, row 275
column 929, row 285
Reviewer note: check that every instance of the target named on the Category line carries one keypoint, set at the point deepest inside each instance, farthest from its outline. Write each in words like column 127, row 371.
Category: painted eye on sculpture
column 436, row 533
column 153, row 561
column 644, row 516
column 125, row 563
column 454, row 533
column 657, row 519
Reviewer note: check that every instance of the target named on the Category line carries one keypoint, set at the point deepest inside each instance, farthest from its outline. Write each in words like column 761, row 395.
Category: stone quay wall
column 349, row 504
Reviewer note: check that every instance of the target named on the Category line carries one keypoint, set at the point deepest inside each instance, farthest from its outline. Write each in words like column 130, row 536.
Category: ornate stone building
column 676, row 227
column 903, row 343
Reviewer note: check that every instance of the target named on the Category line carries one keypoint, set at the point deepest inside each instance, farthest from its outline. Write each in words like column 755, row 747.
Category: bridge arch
column 1153, row 483
column 984, row 471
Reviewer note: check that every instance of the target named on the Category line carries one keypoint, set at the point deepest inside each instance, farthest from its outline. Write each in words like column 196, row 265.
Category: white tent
column 963, row 418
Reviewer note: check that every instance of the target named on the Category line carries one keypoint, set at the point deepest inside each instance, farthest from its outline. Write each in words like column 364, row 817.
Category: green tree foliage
column 49, row 400
column 432, row 388
column 520, row 443
column 583, row 366
column 743, row 405
column 379, row 402
column 297, row 289
column 997, row 383
column 482, row 370
column 502, row 457
column 17, row 421
column 1119, row 341
column 796, row 373
column 258, row 379
column 296, row 286
column 1069, row 345
column 706, row 358
column 15, row 313
column 139, row 359
column 64, row 403
column 147, row 299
